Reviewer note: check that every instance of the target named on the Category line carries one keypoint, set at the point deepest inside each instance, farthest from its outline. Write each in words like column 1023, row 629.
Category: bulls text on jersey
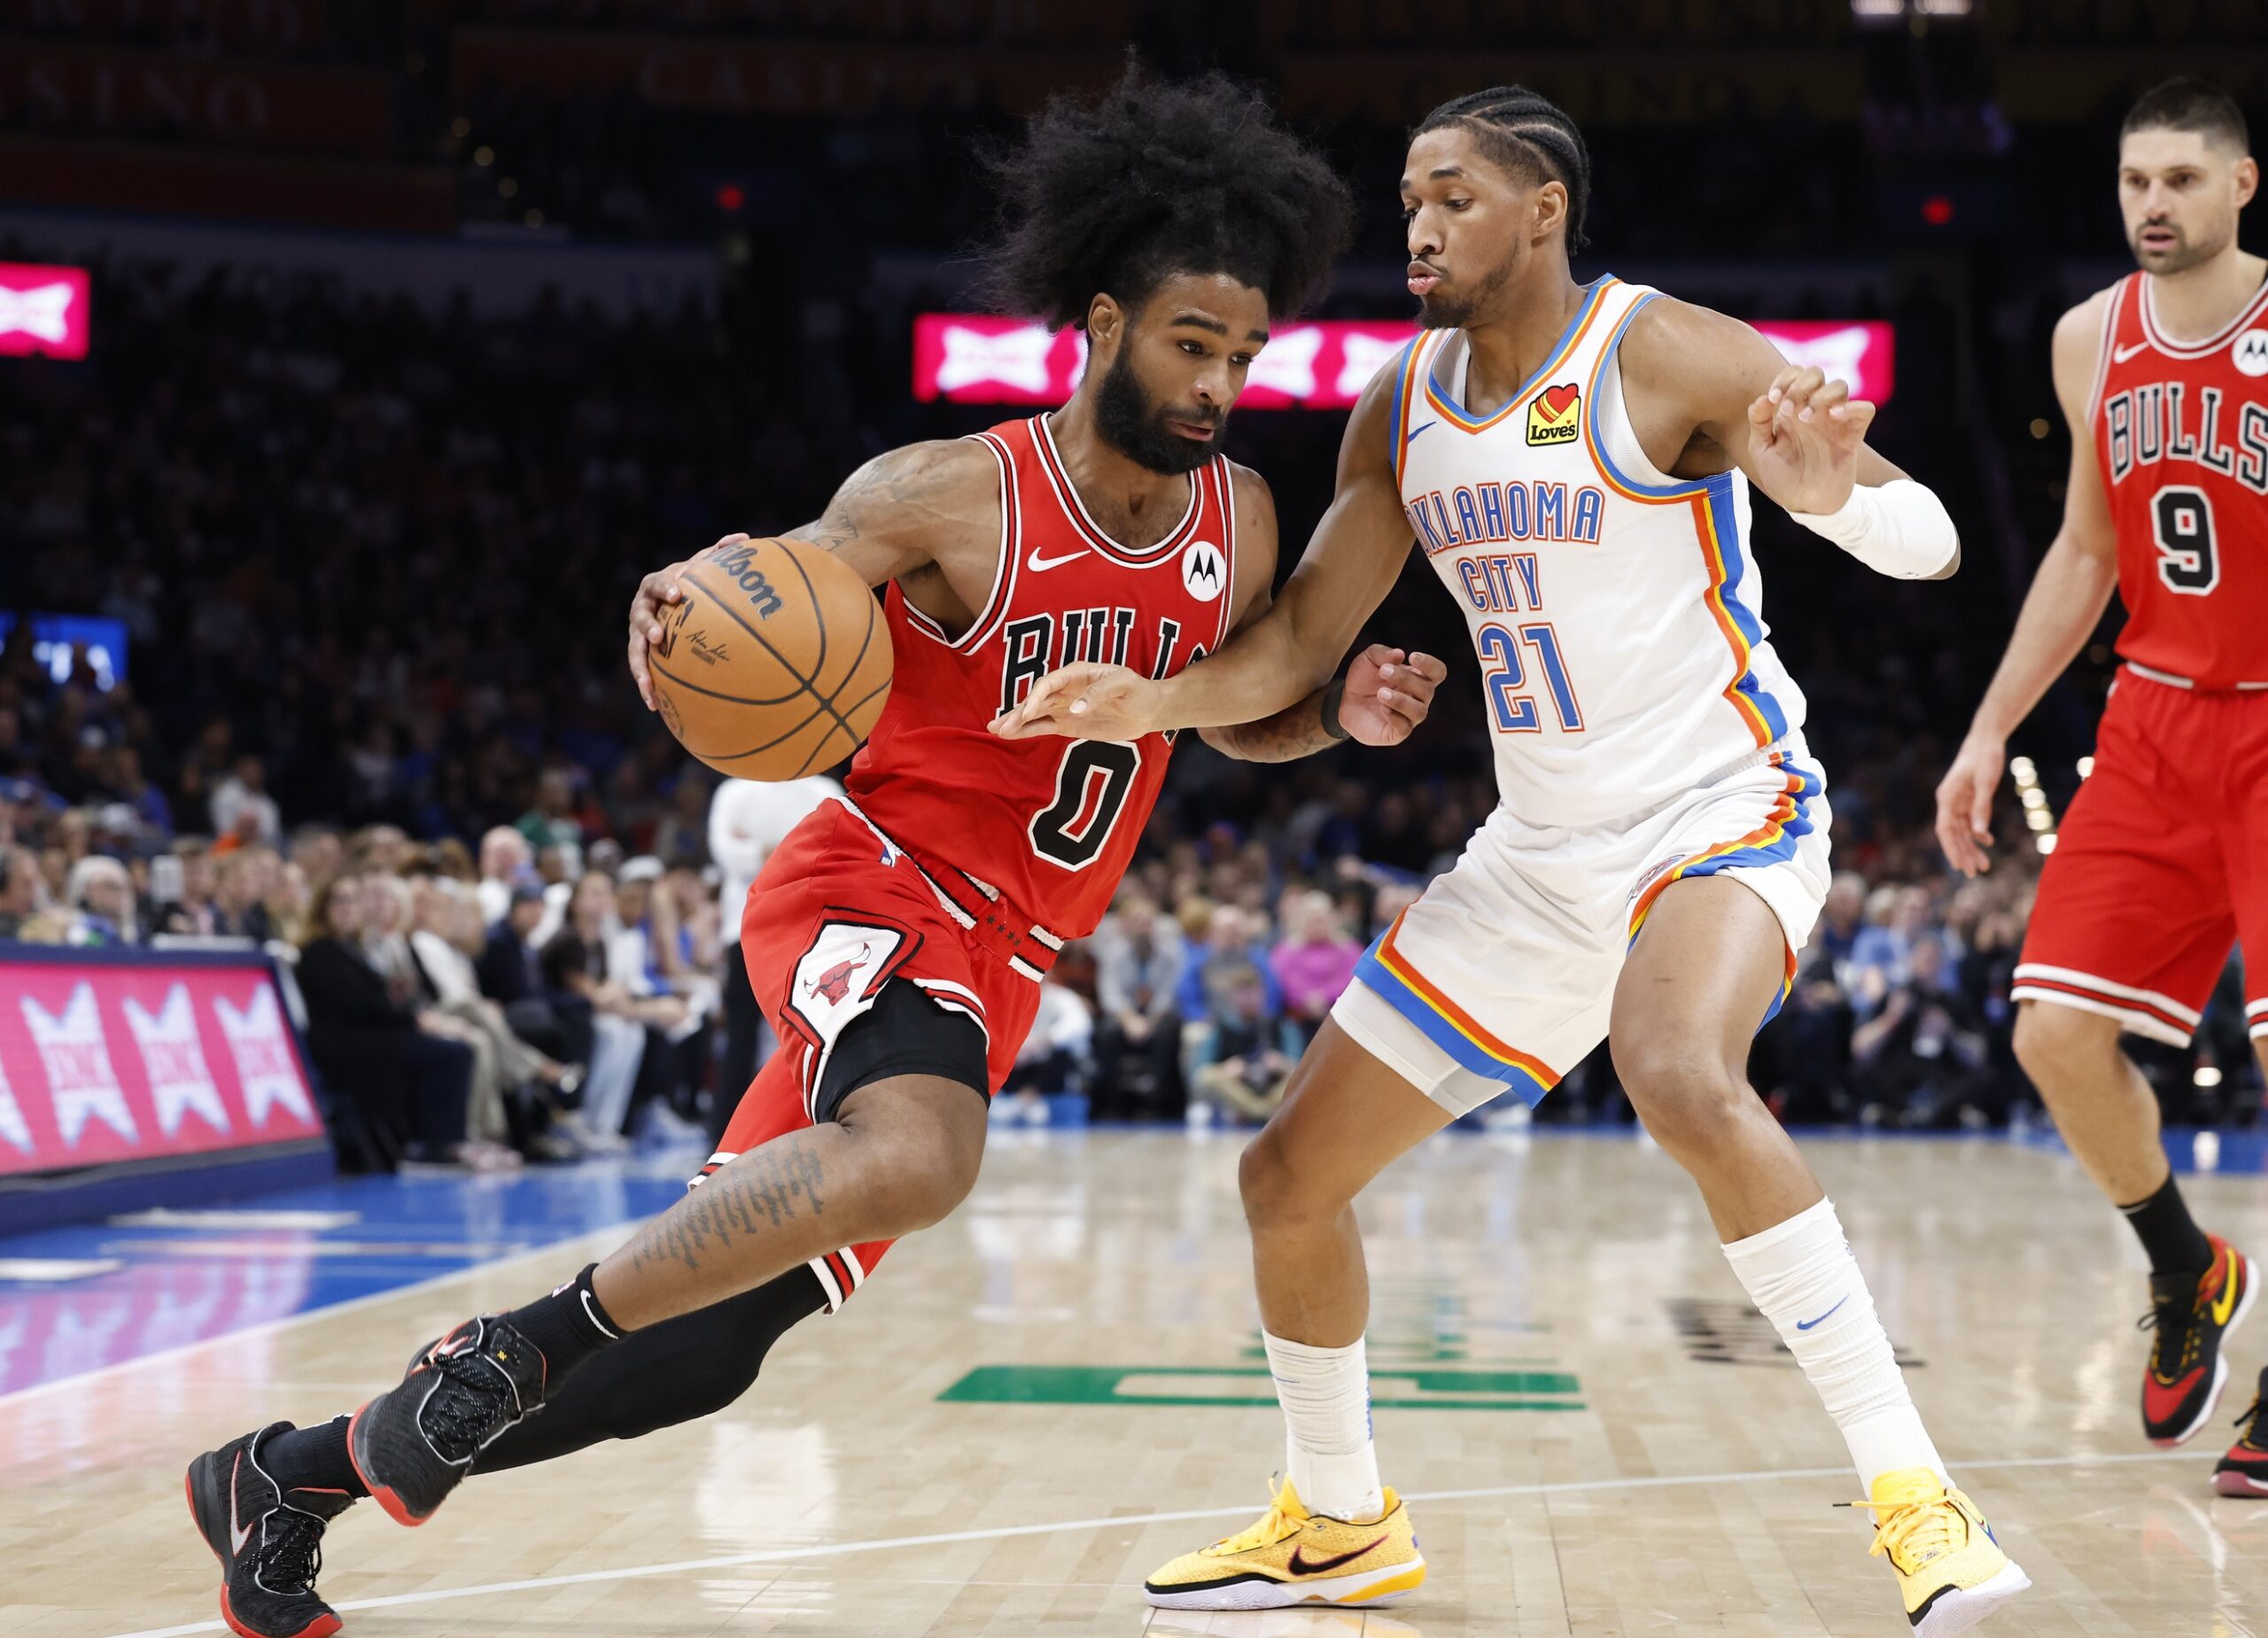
column 1038, row 644
column 2152, row 424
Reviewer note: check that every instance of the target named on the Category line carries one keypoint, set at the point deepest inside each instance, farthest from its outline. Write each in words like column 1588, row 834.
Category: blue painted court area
column 150, row 1282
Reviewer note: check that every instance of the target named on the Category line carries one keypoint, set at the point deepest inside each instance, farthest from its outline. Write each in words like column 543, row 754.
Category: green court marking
column 1201, row 1384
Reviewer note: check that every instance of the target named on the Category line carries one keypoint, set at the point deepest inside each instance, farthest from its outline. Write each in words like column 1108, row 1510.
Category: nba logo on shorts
column 2251, row 353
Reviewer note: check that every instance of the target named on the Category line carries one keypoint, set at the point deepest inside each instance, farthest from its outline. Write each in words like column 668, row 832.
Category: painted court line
column 234, row 1338
column 845, row 1549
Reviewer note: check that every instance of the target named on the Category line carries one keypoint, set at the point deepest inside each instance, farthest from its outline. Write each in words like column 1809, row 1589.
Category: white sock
column 1328, row 1455
column 1800, row 1273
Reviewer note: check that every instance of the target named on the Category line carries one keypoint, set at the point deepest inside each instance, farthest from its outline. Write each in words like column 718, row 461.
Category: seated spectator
column 1313, row 964
column 238, row 884
column 506, row 862
column 102, row 893
column 447, row 931
column 1139, row 955
column 242, row 807
column 575, row 971
column 187, row 910
column 1056, row 1058
column 22, row 892
column 1245, row 1072
column 1227, row 995
column 403, row 1091
column 1920, row 1061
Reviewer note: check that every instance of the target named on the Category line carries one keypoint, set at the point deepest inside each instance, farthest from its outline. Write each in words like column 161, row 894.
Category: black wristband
column 1331, row 696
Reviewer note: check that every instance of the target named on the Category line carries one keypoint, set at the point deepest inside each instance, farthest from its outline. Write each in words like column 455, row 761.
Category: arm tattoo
column 1294, row 732
column 761, row 1189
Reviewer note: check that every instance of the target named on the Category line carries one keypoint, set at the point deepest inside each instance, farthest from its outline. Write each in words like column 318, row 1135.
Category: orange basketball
column 774, row 663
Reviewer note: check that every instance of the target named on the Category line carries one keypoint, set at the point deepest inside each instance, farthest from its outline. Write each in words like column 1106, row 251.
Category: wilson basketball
column 775, row 661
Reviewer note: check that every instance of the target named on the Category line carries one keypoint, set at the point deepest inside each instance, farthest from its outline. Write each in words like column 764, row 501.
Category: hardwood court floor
column 1601, row 1438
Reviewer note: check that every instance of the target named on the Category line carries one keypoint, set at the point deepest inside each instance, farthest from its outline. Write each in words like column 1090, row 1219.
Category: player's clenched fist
column 1388, row 693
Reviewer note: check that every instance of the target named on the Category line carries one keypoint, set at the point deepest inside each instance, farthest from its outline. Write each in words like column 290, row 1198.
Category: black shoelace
column 467, row 1409
column 291, row 1557
column 2172, row 1318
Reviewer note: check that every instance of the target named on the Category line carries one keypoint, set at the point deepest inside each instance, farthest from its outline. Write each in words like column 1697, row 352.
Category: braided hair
column 1154, row 179
column 1529, row 135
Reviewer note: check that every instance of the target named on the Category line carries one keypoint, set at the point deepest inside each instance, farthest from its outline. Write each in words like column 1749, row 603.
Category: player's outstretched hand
column 1803, row 440
column 1086, row 703
column 656, row 592
column 1965, row 804
column 1388, row 693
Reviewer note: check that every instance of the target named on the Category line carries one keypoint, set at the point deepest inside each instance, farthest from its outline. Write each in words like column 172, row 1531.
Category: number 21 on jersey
column 1510, row 708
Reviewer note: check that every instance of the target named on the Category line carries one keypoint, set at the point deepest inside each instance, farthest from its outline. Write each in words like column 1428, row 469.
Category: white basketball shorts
column 1502, row 975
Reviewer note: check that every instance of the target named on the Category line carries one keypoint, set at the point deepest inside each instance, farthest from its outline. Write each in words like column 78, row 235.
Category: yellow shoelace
column 1274, row 1525
column 1911, row 1533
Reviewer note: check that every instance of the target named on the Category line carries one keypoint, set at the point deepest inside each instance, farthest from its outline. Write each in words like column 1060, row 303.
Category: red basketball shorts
column 838, row 911
column 2161, row 865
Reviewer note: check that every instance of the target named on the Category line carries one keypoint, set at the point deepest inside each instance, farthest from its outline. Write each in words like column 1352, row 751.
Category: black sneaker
column 414, row 1444
column 270, row 1550
column 2244, row 1470
column 2192, row 1315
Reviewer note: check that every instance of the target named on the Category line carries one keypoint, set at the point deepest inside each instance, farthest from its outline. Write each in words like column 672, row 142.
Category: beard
column 2183, row 256
column 1457, row 309
column 1131, row 425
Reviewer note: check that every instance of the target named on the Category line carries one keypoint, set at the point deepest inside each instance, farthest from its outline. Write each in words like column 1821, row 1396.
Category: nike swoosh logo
column 2225, row 1304
column 1301, row 1564
column 2119, row 355
column 237, row 1535
column 1411, row 437
column 1806, row 1324
column 1041, row 565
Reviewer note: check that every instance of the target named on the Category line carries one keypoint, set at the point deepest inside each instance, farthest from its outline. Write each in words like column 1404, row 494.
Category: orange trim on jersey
column 1595, row 302
column 1414, row 369
column 1455, row 1016
column 1697, row 494
column 1775, row 824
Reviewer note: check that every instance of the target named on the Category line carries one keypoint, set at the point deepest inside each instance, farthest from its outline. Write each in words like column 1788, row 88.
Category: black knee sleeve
column 904, row 1032
column 679, row 1369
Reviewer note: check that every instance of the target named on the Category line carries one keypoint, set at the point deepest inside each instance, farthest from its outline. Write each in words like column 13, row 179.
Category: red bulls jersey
column 1050, row 824
column 2181, row 430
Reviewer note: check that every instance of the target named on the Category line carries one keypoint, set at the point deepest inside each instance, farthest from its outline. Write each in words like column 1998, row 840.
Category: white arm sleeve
column 1901, row 529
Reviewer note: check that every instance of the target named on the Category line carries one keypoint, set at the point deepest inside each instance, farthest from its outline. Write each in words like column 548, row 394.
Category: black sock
column 691, row 1366
column 2175, row 1245
column 568, row 1326
column 312, row 1460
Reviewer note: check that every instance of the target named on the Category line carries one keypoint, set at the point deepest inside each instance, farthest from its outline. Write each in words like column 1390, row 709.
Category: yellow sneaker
column 1953, row 1572
column 1293, row 1556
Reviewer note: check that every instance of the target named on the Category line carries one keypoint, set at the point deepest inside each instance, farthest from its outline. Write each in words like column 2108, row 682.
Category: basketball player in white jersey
column 1575, row 460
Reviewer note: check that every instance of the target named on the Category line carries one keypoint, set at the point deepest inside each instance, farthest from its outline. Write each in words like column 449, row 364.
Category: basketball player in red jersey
column 1170, row 224
column 2163, row 860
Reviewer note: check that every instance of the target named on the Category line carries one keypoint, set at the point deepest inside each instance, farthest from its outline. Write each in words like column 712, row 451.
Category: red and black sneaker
column 2192, row 1317
column 270, row 1547
column 414, row 1444
column 2244, row 1471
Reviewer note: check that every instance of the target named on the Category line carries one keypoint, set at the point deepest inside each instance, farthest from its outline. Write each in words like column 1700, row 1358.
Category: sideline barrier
column 148, row 1077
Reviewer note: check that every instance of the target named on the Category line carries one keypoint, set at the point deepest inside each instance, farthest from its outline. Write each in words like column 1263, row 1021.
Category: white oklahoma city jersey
column 1616, row 612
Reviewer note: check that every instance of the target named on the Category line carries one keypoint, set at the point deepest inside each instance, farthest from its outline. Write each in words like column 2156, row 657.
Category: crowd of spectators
column 368, row 557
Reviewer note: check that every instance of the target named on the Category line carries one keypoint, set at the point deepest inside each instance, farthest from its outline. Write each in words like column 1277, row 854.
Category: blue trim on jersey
column 1591, row 291
column 1374, row 976
column 1727, row 518
column 1652, row 492
column 1397, row 424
